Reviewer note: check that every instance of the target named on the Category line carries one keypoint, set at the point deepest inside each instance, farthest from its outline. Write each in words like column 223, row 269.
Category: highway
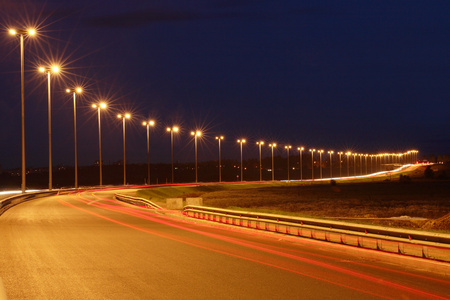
column 87, row 246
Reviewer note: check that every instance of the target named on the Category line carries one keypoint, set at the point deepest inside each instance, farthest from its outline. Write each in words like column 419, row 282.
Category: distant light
column 42, row 69
column 79, row 90
column 127, row 116
column 12, row 31
column 102, row 105
column 55, row 69
column 31, row 31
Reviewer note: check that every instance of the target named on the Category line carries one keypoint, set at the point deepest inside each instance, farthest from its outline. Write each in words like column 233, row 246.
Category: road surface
column 86, row 246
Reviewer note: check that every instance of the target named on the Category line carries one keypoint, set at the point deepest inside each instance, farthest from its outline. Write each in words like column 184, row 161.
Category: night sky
column 360, row 76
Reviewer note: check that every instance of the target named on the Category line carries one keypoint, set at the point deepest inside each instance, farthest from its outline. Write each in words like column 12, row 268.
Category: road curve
column 87, row 246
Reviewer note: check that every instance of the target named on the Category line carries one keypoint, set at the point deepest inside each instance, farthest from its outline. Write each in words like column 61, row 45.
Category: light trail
column 274, row 251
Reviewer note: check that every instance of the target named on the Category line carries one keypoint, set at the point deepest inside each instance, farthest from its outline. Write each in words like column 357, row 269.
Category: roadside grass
column 365, row 200
column 369, row 200
column 160, row 194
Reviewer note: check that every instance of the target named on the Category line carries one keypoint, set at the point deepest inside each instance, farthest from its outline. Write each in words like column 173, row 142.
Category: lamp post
column 260, row 143
column 74, row 92
column 340, row 163
column 348, row 162
column 273, row 145
column 241, row 141
column 331, row 163
column 49, row 70
column 148, row 124
column 288, row 169
column 219, row 138
column 371, row 162
column 172, row 130
column 360, row 164
column 124, row 117
column 320, row 162
column 99, row 106
column 300, row 150
column 21, row 33
column 365, row 156
column 196, row 134
column 312, row 163
column 354, row 163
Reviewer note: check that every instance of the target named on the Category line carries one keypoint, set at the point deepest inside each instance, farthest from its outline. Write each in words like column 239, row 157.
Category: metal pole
column 273, row 170
column 348, row 165
column 320, row 164
column 124, row 163
column 242, row 173
column 360, row 165
column 288, row 163
column 171, row 151
column 260, row 164
column 195, row 142
column 365, row 160
column 49, row 135
column 220, row 164
column 301, row 167
column 22, row 78
column 75, row 137
column 312, row 165
column 100, row 146
column 148, row 154
column 331, row 166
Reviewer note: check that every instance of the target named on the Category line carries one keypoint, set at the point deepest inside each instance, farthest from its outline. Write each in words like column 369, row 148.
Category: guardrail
column 11, row 201
column 409, row 242
column 137, row 201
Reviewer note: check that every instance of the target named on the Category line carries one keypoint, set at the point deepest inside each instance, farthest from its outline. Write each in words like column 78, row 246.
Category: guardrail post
column 424, row 253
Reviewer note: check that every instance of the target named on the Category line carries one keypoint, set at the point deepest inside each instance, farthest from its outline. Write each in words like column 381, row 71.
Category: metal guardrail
column 11, row 201
column 409, row 242
column 137, row 201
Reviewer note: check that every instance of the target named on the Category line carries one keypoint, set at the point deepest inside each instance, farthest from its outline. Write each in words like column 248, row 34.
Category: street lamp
column 99, row 106
column 21, row 33
column 148, row 124
column 331, row 163
column 312, row 163
column 196, row 134
column 49, row 70
column 365, row 156
column 360, row 164
column 287, row 149
column 348, row 162
column 74, row 92
column 124, row 117
column 241, row 141
column 354, row 163
column 320, row 162
column 340, row 163
column 371, row 162
column 219, row 138
column 300, row 149
column 273, row 145
column 172, row 130
column 260, row 143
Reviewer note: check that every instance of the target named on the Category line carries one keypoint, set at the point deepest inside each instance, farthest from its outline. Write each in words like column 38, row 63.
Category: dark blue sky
column 364, row 76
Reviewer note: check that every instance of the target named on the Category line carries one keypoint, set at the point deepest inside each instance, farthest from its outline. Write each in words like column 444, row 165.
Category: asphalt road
column 85, row 246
